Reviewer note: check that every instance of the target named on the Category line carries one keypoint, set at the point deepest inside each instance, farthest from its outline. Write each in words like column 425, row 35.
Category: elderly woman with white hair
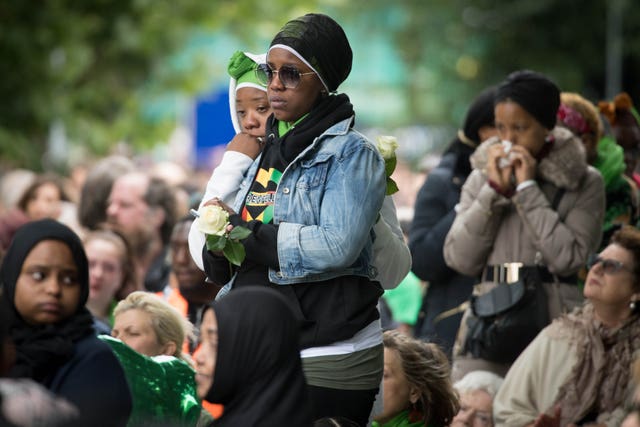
column 477, row 390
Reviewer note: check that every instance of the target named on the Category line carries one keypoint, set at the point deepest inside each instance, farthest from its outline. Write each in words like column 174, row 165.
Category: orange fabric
column 178, row 302
column 214, row 409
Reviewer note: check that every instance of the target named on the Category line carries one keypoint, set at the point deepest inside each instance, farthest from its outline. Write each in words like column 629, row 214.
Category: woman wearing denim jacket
column 311, row 199
column 249, row 110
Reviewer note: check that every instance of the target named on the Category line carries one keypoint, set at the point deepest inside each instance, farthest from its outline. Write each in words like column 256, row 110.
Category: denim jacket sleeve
column 326, row 205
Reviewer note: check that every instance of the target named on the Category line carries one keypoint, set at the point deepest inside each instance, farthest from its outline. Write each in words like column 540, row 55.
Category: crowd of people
column 521, row 263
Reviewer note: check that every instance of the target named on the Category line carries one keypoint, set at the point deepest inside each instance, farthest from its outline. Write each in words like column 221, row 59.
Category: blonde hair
column 586, row 109
column 168, row 324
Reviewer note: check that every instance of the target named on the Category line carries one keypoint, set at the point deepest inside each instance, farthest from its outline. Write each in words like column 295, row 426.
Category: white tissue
column 505, row 161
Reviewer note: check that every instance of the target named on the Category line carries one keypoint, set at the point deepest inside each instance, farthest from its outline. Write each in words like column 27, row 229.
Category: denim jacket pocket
column 313, row 173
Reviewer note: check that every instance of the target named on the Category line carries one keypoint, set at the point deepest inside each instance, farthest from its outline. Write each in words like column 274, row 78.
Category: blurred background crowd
column 115, row 114
column 148, row 79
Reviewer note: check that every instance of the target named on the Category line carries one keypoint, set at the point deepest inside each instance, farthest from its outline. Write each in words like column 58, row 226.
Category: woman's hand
column 499, row 174
column 246, row 144
column 524, row 164
column 545, row 420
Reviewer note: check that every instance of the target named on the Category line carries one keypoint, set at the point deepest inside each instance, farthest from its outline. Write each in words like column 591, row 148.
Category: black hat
column 480, row 114
column 321, row 43
column 534, row 92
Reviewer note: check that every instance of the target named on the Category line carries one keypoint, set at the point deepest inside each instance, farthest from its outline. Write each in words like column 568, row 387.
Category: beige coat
column 491, row 229
column 533, row 383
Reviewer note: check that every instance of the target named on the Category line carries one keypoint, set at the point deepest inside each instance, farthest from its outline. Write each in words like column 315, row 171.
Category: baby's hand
column 246, row 144
column 217, row 202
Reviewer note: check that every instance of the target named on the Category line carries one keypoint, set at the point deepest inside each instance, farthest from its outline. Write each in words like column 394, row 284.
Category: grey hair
column 479, row 380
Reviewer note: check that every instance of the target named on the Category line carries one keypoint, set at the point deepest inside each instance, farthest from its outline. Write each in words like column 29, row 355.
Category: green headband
column 243, row 69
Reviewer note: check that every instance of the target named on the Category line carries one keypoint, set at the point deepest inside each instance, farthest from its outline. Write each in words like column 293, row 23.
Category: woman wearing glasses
column 578, row 369
column 249, row 108
column 311, row 201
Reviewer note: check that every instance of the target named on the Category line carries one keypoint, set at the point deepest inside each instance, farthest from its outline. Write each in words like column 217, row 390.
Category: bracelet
column 525, row 184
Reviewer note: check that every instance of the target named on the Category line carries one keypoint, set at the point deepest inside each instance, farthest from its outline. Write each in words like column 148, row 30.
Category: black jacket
column 434, row 214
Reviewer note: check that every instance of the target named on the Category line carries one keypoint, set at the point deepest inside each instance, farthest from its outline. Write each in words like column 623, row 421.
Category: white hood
column 258, row 59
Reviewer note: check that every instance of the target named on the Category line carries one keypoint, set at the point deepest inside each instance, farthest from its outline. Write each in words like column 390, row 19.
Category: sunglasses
column 289, row 76
column 609, row 266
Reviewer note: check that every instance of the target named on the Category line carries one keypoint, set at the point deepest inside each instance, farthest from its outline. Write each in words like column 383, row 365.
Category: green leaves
column 229, row 244
column 387, row 146
column 234, row 252
column 239, row 233
column 216, row 243
column 392, row 187
column 390, row 165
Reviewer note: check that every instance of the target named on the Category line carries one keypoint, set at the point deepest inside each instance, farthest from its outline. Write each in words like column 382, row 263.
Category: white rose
column 387, row 145
column 212, row 220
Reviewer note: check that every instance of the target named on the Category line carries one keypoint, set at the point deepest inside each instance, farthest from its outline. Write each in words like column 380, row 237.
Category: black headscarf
column 42, row 349
column 480, row 114
column 534, row 92
column 258, row 374
column 322, row 43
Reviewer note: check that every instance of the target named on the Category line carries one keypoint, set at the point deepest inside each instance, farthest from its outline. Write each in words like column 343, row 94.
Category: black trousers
column 355, row 405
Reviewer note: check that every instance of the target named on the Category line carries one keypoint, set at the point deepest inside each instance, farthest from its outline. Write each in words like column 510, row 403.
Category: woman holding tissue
column 532, row 208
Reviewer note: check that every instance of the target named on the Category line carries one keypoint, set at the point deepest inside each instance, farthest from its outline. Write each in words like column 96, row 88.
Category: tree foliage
column 93, row 66
column 454, row 48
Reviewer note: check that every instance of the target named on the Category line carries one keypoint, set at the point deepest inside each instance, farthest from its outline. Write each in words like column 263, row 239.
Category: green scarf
column 284, row 127
column 610, row 161
column 400, row 420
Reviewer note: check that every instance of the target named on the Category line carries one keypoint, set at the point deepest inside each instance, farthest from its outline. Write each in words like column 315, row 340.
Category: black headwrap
column 534, row 92
column 41, row 349
column 258, row 374
column 480, row 114
column 322, row 43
